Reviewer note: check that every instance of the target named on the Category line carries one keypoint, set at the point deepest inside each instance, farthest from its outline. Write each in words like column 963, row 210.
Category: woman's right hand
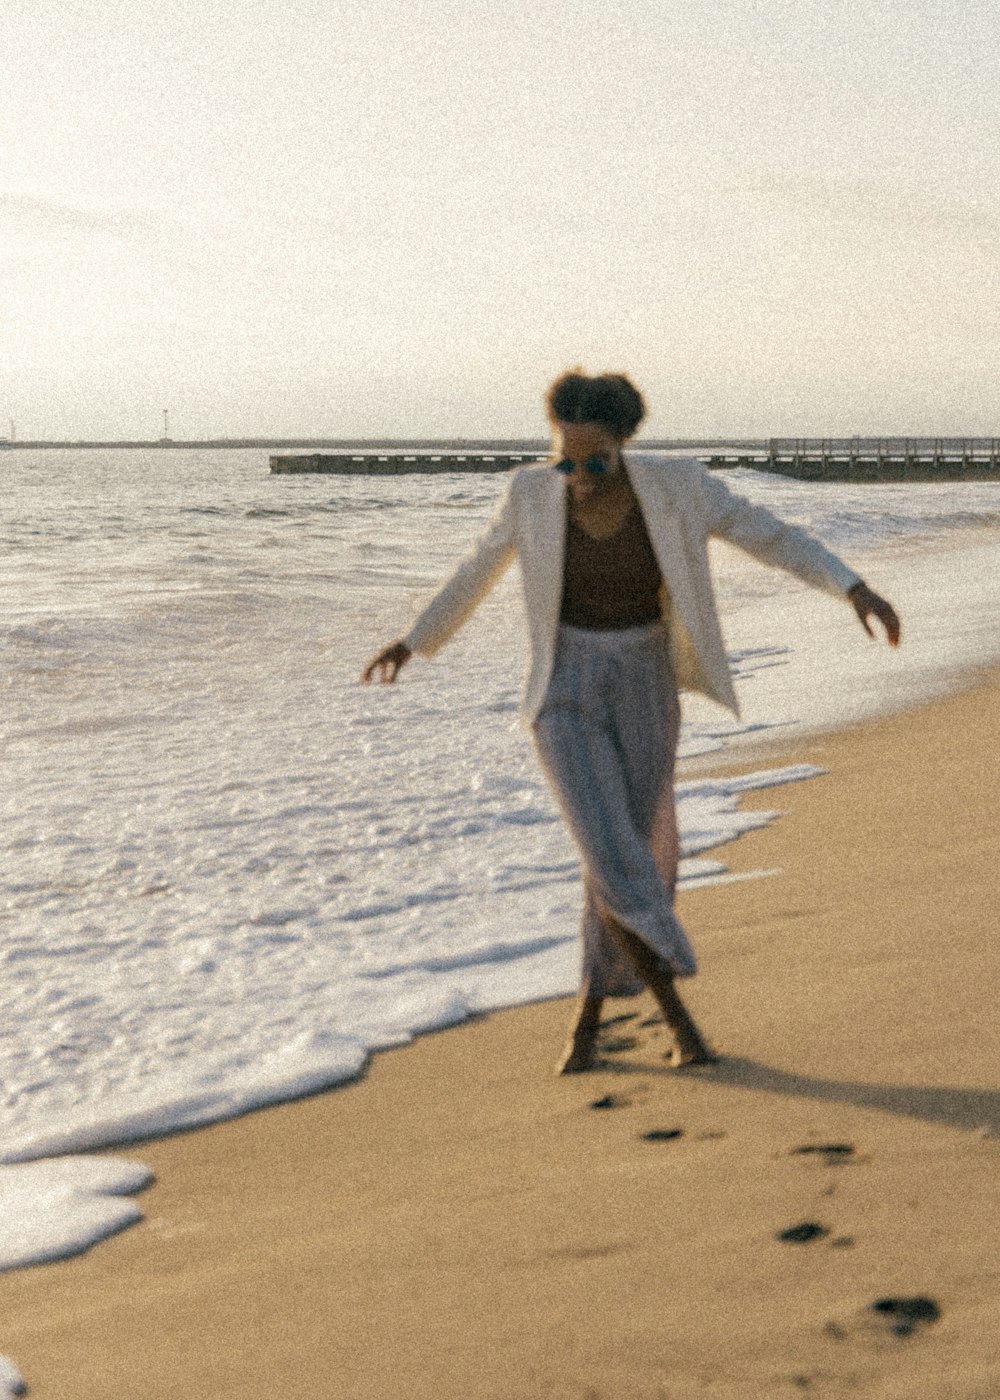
column 389, row 662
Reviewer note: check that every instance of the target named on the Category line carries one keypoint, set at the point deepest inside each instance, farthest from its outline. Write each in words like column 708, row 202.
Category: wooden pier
column 403, row 463
column 805, row 459
column 882, row 459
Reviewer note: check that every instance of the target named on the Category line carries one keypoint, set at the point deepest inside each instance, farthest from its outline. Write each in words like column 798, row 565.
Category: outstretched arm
column 788, row 547
column 772, row 540
column 455, row 600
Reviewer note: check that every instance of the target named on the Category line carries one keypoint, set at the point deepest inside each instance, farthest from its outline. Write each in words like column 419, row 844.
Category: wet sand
column 461, row 1224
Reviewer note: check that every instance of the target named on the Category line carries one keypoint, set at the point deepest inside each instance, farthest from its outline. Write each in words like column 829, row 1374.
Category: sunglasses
column 595, row 466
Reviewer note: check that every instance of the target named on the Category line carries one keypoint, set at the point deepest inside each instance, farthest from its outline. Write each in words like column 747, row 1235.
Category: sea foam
column 52, row 1209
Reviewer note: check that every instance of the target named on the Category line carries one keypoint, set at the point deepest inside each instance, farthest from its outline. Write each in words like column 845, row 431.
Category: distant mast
column 166, row 426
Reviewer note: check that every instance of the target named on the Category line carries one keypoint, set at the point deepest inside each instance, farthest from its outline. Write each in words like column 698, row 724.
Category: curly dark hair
column 609, row 399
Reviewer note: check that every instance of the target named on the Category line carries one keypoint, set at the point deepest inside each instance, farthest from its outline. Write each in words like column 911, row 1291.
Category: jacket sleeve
column 772, row 541
column 460, row 595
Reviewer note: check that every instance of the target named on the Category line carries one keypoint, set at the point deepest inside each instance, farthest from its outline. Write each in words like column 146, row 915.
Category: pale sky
column 405, row 217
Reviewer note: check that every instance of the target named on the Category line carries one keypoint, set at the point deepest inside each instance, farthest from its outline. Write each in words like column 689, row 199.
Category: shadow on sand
column 970, row 1109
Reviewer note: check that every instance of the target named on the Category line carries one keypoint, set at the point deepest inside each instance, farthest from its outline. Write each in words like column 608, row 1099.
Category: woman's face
column 580, row 443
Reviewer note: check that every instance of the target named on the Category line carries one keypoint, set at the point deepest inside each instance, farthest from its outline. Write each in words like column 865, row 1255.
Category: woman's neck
column 603, row 513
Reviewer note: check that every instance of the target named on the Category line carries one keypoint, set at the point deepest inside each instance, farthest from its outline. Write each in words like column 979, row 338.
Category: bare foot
column 582, row 1034
column 576, row 1058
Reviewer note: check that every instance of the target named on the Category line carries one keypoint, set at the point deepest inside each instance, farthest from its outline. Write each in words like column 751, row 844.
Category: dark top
column 612, row 583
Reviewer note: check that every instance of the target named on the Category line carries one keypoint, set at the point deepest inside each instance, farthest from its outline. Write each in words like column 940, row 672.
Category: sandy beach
column 461, row 1223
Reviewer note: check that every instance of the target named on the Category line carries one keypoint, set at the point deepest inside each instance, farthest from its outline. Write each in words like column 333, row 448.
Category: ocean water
column 229, row 872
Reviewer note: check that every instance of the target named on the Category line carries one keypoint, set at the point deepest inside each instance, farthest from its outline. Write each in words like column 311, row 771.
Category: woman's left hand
column 868, row 604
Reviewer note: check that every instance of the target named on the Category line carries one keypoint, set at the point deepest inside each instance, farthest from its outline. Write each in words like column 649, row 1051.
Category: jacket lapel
column 664, row 531
column 547, row 529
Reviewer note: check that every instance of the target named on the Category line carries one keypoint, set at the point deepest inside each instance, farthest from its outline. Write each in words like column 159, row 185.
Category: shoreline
column 746, row 752
column 460, row 1218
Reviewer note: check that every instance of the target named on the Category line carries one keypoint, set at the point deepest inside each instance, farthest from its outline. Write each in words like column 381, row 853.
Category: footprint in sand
column 891, row 1316
column 611, row 1101
column 663, row 1134
column 904, row 1315
column 832, row 1153
column 802, row 1234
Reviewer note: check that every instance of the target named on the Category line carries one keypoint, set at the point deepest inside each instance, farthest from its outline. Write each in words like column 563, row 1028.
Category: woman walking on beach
column 621, row 615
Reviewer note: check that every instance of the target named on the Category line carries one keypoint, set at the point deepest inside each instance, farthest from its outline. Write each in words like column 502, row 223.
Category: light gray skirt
column 606, row 737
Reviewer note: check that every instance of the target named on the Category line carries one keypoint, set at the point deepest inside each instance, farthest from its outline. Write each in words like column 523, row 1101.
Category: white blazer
column 683, row 505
